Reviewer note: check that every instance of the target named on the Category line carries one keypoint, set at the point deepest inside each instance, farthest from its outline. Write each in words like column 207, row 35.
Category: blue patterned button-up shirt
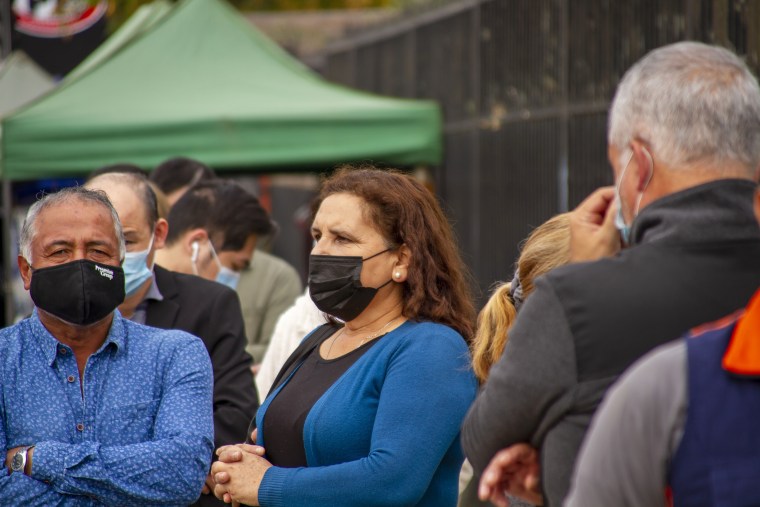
column 138, row 429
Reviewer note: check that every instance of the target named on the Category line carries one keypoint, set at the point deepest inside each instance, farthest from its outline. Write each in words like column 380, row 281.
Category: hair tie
column 516, row 292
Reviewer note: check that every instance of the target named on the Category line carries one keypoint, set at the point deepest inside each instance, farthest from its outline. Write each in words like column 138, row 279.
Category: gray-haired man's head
column 691, row 103
column 66, row 195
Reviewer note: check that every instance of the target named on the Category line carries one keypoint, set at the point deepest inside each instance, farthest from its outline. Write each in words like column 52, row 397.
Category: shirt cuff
column 272, row 487
column 48, row 461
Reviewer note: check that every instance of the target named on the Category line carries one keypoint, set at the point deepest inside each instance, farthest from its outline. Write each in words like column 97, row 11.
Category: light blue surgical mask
column 228, row 277
column 225, row 275
column 625, row 229
column 622, row 227
column 136, row 270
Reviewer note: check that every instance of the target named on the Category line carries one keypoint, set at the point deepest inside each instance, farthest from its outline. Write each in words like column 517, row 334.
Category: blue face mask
column 225, row 275
column 622, row 227
column 228, row 277
column 136, row 270
column 625, row 229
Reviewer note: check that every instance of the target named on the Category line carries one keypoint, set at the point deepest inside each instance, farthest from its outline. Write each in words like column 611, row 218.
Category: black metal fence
column 525, row 86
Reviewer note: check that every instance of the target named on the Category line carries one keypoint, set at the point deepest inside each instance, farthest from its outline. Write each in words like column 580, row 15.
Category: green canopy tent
column 144, row 17
column 202, row 82
column 198, row 80
column 21, row 81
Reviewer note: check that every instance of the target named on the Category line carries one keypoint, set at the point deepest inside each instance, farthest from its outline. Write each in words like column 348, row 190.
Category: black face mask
column 335, row 285
column 80, row 292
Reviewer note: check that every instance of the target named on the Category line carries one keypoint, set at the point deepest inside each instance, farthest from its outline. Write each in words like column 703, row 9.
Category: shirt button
column 62, row 351
column 71, row 378
column 80, row 427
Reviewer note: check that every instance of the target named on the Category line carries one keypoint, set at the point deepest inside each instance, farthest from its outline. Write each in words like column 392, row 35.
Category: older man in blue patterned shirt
column 95, row 409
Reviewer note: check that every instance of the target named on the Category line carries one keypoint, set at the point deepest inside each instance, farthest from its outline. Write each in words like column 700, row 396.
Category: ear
column 194, row 236
column 26, row 271
column 159, row 235
column 644, row 164
column 401, row 266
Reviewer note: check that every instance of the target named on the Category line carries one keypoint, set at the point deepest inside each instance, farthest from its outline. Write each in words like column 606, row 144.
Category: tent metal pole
column 5, row 29
column 7, row 271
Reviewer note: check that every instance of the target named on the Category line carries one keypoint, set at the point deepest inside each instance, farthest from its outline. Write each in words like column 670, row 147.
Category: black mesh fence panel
column 518, row 191
column 587, row 154
column 445, row 67
column 524, row 86
column 520, row 55
column 455, row 187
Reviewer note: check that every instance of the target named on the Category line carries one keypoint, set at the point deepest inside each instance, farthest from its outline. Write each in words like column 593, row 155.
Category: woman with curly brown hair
column 368, row 412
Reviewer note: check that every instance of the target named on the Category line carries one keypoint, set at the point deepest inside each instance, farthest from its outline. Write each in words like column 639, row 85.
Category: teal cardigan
column 387, row 432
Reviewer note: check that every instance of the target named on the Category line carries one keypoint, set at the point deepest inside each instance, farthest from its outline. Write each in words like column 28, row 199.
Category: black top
column 286, row 415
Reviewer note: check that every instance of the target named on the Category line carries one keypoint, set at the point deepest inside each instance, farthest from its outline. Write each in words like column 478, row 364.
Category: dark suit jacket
column 211, row 311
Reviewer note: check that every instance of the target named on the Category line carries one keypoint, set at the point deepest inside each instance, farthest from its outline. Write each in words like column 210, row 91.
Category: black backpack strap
column 306, row 347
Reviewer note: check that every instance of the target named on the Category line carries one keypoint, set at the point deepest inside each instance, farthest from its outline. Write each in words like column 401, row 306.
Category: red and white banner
column 57, row 18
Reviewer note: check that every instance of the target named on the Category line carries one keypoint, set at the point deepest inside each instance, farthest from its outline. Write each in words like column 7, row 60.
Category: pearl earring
column 396, row 275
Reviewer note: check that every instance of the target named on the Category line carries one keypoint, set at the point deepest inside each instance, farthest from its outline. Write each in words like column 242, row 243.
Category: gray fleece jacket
column 695, row 257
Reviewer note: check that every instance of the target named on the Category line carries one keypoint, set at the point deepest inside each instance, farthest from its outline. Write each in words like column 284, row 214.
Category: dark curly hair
column 406, row 213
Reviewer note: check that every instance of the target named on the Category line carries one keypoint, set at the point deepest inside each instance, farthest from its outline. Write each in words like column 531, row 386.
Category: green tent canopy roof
column 21, row 81
column 202, row 82
column 143, row 18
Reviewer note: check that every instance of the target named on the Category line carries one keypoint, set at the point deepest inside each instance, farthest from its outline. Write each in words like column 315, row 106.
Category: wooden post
column 720, row 23
column 753, row 35
column 7, row 256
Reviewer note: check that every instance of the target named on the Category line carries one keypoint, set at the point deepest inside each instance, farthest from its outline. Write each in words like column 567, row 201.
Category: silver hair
column 28, row 230
column 690, row 102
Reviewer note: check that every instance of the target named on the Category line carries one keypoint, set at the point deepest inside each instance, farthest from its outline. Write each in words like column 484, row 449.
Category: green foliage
column 121, row 10
column 289, row 5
